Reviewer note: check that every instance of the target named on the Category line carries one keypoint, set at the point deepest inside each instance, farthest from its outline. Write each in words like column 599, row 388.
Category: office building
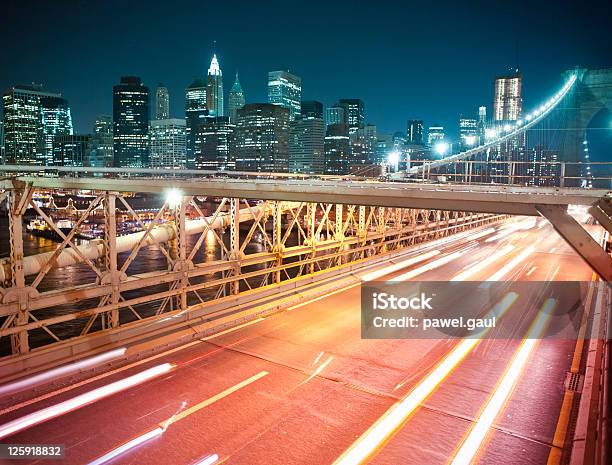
column 56, row 121
column 508, row 103
column 131, row 123
column 482, row 124
column 468, row 133
column 337, row 149
column 32, row 119
column 354, row 113
column 70, row 150
column 168, row 146
column 312, row 109
column 100, row 148
column 335, row 115
column 435, row 134
column 285, row 89
column 363, row 147
column 414, row 131
column 213, row 139
column 215, row 89
column 306, row 141
column 236, row 100
column 196, row 111
column 162, row 102
column 2, row 161
column 261, row 138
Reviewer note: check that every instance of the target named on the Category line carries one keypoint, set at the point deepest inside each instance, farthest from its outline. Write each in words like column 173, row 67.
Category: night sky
column 428, row 60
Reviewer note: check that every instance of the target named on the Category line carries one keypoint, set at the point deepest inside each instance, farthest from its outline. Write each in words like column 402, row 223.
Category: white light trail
column 431, row 265
column 511, row 264
column 127, row 446
column 479, row 266
column 208, row 460
column 398, row 266
column 87, row 398
column 60, row 371
column 474, row 440
column 360, row 450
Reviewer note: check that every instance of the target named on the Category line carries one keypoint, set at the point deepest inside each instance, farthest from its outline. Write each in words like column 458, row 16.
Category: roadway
column 302, row 387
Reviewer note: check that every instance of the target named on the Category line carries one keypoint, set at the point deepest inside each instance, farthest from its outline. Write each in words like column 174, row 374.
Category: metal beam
column 601, row 216
column 497, row 199
column 579, row 239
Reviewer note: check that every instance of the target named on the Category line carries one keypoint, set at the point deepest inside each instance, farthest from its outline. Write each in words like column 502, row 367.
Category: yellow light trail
column 476, row 436
column 397, row 414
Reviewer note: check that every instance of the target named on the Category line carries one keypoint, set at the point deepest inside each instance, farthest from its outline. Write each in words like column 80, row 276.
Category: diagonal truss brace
column 579, row 239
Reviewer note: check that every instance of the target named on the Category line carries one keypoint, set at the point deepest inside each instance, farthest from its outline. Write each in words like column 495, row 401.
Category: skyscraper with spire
column 215, row 88
column 236, row 99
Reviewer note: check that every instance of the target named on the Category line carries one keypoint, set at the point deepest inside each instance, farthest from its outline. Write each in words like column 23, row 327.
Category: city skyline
column 253, row 57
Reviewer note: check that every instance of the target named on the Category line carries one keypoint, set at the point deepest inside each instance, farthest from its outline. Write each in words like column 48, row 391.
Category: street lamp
column 393, row 159
column 441, row 148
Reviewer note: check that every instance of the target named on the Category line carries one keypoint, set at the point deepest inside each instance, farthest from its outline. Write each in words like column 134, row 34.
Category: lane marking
column 211, row 400
column 163, row 426
column 384, row 428
column 82, row 400
column 477, row 434
column 479, row 266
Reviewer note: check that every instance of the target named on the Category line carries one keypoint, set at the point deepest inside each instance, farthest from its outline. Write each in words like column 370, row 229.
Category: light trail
column 479, row 266
column 476, row 436
column 127, row 446
column 503, row 271
column 385, row 426
column 82, row 400
column 61, row 371
column 431, row 266
column 398, row 266
column 208, row 460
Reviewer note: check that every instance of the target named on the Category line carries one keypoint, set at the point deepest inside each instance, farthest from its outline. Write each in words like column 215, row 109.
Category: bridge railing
column 519, row 173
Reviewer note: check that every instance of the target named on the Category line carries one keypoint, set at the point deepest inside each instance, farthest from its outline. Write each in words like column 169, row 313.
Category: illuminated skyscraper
column 131, row 123
column 2, row 143
column 100, row 148
column 335, row 115
column 168, row 144
column 306, row 140
column 414, row 131
column 468, row 132
column 337, row 149
column 312, row 109
column 236, row 99
column 162, row 102
column 70, row 150
column 32, row 119
column 215, row 88
column 195, row 111
column 434, row 134
column 213, row 138
column 261, row 138
column 508, row 103
column 57, row 121
column 285, row 89
column 354, row 113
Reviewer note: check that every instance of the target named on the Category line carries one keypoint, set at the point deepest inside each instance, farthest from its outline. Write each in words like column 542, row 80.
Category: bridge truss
column 197, row 253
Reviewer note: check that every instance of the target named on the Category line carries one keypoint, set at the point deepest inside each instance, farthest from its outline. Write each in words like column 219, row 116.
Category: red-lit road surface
column 301, row 387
